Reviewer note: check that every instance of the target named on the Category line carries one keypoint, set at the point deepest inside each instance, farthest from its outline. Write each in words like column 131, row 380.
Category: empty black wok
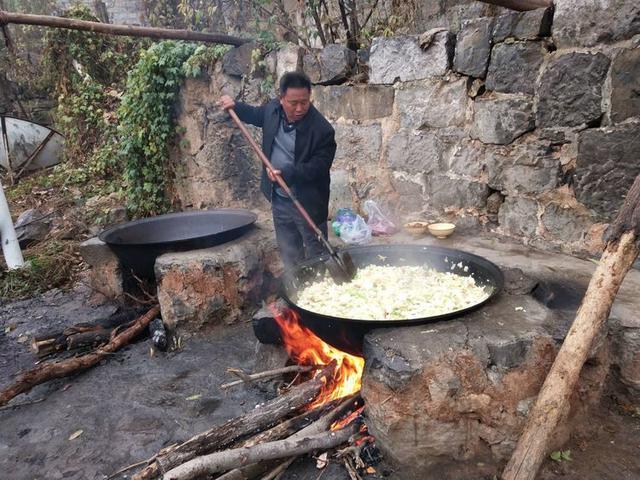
column 137, row 244
column 347, row 334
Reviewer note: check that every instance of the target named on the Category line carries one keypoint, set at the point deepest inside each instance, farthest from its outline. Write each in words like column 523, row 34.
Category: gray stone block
column 570, row 92
column 444, row 192
column 333, row 64
column 402, row 58
column 514, row 67
column 288, row 59
column 625, row 85
column 519, row 216
column 358, row 145
column 500, row 120
column 523, row 25
column 410, row 190
column 565, row 224
column 587, row 23
column 473, row 46
column 414, row 152
column 360, row 102
column 434, row 103
column 607, row 163
column 463, row 156
column 340, row 195
column 237, row 61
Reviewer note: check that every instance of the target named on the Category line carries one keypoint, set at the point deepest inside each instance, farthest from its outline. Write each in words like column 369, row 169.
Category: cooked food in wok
column 392, row 293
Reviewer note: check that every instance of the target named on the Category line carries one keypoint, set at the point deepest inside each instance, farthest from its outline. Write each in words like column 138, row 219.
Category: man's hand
column 273, row 173
column 226, row 102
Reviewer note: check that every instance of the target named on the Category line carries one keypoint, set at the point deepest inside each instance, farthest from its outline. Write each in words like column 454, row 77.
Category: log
column 49, row 371
column 552, row 404
column 81, row 334
column 110, row 29
column 221, row 461
column 248, row 378
column 520, row 5
column 224, row 434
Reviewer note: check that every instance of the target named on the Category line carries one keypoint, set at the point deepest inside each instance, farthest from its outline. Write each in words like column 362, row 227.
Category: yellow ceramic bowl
column 441, row 230
column 417, row 229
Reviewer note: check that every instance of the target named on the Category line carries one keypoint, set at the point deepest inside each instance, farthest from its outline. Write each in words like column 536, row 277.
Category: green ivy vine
column 147, row 124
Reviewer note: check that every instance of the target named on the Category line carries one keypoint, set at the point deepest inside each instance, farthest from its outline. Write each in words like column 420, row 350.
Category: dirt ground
column 134, row 404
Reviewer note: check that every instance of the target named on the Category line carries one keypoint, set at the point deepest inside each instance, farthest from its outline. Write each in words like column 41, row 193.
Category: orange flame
column 305, row 348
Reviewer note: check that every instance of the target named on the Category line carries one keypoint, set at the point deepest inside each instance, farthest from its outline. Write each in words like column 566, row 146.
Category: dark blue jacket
column 314, row 152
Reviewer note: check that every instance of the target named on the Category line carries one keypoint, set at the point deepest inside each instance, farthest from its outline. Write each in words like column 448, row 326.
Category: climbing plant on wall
column 147, row 123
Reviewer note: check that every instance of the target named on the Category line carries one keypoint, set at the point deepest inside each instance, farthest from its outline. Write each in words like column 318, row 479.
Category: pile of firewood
column 264, row 442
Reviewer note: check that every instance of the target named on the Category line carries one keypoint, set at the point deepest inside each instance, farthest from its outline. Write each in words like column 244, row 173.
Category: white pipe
column 10, row 245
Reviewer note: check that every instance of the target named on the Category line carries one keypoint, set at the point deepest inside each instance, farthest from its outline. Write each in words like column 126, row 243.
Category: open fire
column 305, row 348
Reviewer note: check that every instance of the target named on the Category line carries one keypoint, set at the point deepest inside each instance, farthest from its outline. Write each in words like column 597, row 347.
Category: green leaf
column 556, row 456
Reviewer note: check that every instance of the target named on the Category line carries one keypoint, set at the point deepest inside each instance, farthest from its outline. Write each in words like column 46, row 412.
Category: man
column 300, row 143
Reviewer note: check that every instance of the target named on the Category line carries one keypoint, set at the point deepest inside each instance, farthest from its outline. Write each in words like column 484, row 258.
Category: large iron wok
column 138, row 243
column 347, row 334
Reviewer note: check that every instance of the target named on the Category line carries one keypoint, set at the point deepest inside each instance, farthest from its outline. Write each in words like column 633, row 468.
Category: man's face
column 295, row 103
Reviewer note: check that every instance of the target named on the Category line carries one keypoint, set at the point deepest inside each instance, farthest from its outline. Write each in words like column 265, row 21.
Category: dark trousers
column 295, row 238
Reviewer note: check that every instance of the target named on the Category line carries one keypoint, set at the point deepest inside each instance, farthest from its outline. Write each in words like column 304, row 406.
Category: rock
column 625, row 85
column 237, row 61
column 433, row 103
column 494, row 202
column 410, row 190
column 501, row 120
column 514, row 67
column 288, row 59
column 586, row 23
column 516, row 282
column 519, row 216
column 453, row 388
column 203, row 289
column 105, row 275
column 473, row 46
column 523, row 25
column 333, row 64
column 358, row 145
column 31, row 227
column 627, row 357
column 570, row 92
column 606, row 165
column 340, row 195
column 265, row 327
column 526, row 168
column 414, row 152
column 463, row 156
column 402, row 58
column 444, row 192
column 359, row 102
column 564, row 223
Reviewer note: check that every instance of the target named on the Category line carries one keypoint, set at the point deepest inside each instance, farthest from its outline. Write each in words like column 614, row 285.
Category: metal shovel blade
column 341, row 267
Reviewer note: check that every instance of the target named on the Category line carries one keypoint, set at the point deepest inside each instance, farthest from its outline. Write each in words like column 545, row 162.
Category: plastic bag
column 377, row 221
column 355, row 231
column 343, row 215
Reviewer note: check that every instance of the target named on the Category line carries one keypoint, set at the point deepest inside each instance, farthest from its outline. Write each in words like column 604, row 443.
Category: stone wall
column 525, row 124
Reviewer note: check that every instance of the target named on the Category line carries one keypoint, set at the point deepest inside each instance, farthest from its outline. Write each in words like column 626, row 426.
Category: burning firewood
column 49, row 371
column 221, row 461
column 222, row 435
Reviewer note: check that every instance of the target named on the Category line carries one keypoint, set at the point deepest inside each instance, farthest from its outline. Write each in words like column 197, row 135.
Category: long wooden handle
column 279, row 179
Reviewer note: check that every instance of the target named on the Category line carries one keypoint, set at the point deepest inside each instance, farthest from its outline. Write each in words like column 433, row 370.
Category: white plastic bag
column 356, row 231
column 378, row 221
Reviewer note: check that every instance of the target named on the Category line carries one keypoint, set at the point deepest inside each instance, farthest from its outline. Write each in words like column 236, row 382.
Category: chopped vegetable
column 392, row 293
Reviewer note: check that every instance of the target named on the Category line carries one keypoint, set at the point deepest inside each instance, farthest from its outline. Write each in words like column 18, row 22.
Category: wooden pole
column 109, row 29
column 520, row 5
column 552, row 404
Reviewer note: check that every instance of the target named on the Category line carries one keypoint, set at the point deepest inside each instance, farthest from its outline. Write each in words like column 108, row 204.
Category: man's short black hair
column 294, row 80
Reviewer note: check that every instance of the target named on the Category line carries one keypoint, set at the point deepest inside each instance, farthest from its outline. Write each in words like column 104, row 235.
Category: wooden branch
column 110, row 29
column 520, row 5
column 224, row 434
column 247, row 378
column 279, row 470
column 81, row 334
column 221, row 461
column 552, row 404
column 48, row 371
